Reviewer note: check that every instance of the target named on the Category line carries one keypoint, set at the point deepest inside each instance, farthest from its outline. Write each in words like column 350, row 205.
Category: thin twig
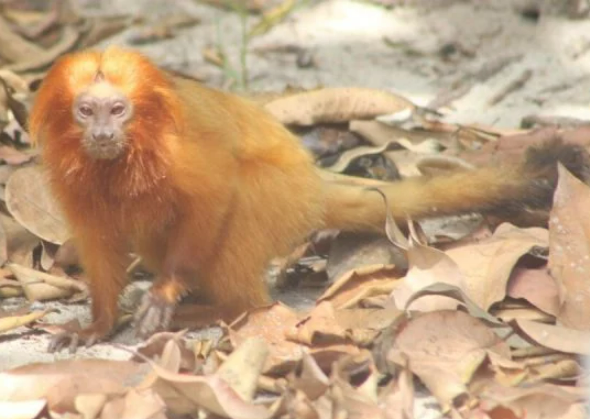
column 511, row 87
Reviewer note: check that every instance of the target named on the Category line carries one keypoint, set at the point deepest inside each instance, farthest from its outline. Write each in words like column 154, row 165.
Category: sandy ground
column 346, row 39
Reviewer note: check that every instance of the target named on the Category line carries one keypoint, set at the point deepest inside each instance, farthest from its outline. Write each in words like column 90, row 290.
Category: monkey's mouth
column 106, row 149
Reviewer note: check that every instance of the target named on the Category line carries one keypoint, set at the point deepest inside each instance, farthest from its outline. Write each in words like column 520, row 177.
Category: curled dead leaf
column 29, row 201
column 60, row 382
column 445, row 349
column 243, row 367
column 24, row 409
column 349, row 156
column 185, row 394
column 569, row 249
column 555, row 337
column 320, row 326
column 364, row 282
column 271, row 323
column 13, row 321
column 335, row 105
column 40, row 286
column 309, row 378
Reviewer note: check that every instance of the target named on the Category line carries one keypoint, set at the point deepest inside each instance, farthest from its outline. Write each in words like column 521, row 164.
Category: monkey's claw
column 71, row 340
column 153, row 315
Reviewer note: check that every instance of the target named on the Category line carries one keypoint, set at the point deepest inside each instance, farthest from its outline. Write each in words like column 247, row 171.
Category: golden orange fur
column 209, row 189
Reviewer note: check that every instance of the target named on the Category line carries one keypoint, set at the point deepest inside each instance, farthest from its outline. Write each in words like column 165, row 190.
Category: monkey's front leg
column 104, row 261
column 158, row 305
column 177, row 272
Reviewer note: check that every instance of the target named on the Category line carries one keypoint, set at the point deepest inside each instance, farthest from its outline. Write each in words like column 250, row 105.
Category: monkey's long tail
column 517, row 193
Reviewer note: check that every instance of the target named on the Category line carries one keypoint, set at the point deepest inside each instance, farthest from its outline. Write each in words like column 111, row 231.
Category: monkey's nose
column 103, row 135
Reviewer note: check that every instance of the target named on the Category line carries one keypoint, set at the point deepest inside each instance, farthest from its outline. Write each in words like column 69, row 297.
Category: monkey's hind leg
column 231, row 283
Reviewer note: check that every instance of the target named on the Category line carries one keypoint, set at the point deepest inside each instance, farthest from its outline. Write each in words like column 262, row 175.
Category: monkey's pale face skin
column 102, row 112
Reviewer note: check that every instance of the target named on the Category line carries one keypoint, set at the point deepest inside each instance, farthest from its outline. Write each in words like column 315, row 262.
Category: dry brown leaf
column 98, row 28
column 272, row 17
column 326, row 355
column 506, row 372
column 9, row 288
column 504, row 331
column 397, row 399
column 15, row 81
column 350, row 156
column 319, row 327
column 442, row 289
column 309, row 378
column 357, row 325
column 536, row 402
column 29, row 201
column 569, row 249
column 349, row 251
column 405, row 161
column 556, row 337
column 367, row 318
column 164, row 29
column 34, row 23
column 271, row 323
column 297, row 405
column 13, row 321
column 214, row 56
column 427, row 266
column 17, row 105
column 361, row 283
column 60, row 382
column 46, row 57
column 536, row 286
column 5, row 172
column 184, row 394
column 14, row 47
column 486, row 266
column 40, row 286
column 243, row 367
column 379, row 133
column 90, row 405
column 564, row 369
column 524, row 312
column 144, row 404
column 156, row 343
column 339, row 178
column 20, row 242
column 32, row 409
column 444, row 349
column 358, row 401
column 47, row 257
column 333, row 105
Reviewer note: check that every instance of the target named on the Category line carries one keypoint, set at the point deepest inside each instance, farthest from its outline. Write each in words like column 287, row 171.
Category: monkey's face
column 102, row 112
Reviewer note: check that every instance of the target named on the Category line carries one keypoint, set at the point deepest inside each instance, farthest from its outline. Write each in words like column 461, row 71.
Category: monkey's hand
column 73, row 336
column 154, row 314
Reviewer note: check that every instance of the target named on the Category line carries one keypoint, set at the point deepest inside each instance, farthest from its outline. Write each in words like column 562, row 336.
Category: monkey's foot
column 153, row 315
column 73, row 337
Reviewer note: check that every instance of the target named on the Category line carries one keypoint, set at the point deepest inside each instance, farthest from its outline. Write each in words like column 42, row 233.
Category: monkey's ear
column 99, row 76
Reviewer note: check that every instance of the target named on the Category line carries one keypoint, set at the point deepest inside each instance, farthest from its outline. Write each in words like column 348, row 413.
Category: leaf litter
column 488, row 319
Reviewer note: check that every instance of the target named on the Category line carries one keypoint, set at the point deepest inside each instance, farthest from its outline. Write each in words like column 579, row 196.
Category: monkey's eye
column 117, row 110
column 85, row 110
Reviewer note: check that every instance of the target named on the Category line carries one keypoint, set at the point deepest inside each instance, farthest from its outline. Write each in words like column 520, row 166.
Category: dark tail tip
column 543, row 160
column 529, row 204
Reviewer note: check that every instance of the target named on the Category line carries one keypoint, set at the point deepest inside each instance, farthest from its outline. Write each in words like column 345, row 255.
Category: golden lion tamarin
column 207, row 187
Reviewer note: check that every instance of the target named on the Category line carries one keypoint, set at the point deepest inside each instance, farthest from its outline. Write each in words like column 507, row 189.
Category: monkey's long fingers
column 64, row 340
column 153, row 315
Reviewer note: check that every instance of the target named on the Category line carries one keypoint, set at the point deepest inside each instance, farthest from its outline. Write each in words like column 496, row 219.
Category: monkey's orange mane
column 150, row 134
